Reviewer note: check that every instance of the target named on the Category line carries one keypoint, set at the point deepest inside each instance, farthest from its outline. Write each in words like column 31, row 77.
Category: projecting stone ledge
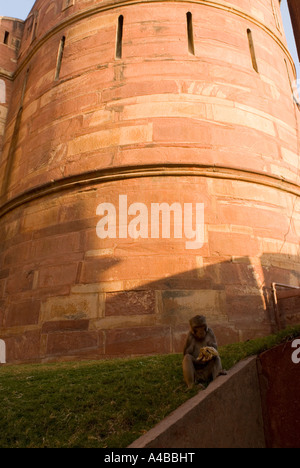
column 227, row 414
column 248, row 408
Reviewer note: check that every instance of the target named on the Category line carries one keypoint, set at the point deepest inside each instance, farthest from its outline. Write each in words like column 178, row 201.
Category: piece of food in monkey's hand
column 207, row 353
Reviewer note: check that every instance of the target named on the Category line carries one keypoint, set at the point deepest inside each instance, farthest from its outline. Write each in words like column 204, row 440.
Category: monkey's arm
column 189, row 347
column 211, row 339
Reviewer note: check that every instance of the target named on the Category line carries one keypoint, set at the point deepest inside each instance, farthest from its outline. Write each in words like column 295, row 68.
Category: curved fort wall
column 132, row 104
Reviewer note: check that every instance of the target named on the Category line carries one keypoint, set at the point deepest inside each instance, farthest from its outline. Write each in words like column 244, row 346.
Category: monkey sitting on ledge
column 201, row 360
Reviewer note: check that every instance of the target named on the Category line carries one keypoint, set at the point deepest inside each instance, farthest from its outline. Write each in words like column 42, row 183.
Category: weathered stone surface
column 77, row 306
column 65, row 325
column 179, row 306
column 142, row 340
column 130, row 303
column 23, row 313
column 23, row 347
column 279, row 381
column 71, row 342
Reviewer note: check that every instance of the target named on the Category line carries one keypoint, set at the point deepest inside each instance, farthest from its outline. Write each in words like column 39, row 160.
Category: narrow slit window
column 29, row 25
column 6, row 36
column 276, row 16
column 60, row 57
column 190, row 33
column 33, row 37
column 119, row 37
column 252, row 50
column 67, row 3
column 24, row 88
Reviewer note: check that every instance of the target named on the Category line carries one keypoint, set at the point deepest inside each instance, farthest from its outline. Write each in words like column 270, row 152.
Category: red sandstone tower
column 124, row 119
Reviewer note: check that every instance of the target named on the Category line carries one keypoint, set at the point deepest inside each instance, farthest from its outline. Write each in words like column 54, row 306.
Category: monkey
column 195, row 370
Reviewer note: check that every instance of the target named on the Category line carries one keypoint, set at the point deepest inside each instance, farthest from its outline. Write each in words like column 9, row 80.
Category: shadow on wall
column 235, row 295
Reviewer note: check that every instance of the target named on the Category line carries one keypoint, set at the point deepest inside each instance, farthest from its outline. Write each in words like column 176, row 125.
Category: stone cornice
column 112, row 4
column 156, row 170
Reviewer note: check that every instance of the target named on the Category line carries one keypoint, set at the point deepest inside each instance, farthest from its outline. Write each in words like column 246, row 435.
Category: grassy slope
column 99, row 403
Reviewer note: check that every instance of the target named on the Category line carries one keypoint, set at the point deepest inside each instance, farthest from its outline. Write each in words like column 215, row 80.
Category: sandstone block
column 57, row 275
column 130, row 303
column 180, row 306
column 71, row 342
column 119, row 136
column 65, row 325
column 23, row 313
column 79, row 306
column 22, row 348
column 143, row 340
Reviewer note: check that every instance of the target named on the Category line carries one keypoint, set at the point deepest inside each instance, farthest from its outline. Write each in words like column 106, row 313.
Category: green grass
column 99, row 403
